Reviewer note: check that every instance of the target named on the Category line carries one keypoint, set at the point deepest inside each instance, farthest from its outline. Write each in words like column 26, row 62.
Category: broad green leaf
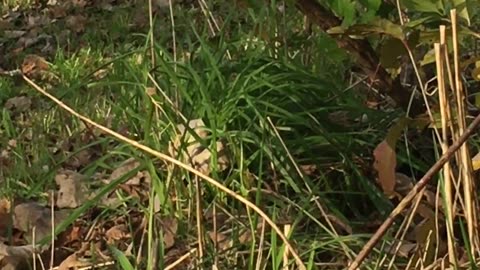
column 373, row 5
column 390, row 50
column 465, row 31
column 428, row 58
column 477, row 100
column 432, row 6
column 421, row 21
column 463, row 8
column 371, row 10
column 347, row 11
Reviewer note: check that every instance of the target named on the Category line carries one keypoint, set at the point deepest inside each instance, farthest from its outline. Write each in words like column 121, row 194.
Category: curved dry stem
column 167, row 158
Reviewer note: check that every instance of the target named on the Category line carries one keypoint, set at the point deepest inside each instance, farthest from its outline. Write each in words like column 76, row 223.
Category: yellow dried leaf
column 385, row 163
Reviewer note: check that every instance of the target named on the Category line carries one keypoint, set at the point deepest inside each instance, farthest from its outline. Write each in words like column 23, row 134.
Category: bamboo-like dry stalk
column 446, row 171
column 464, row 163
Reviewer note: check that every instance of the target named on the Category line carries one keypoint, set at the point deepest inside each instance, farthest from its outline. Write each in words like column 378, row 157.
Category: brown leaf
column 24, row 252
column 5, row 217
column 79, row 3
column 72, row 261
column 117, row 232
column 13, row 33
column 76, row 23
column 150, row 91
column 195, row 153
column 57, row 11
column 308, row 169
column 426, row 237
column 15, row 257
column 127, row 166
column 28, row 216
column 101, row 73
column 73, row 191
column 34, row 65
column 403, row 184
column 385, row 164
column 18, row 104
column 80, row 159
column 34, row 21
column 405, row 248
column 223, row 241
column 169, row 228
column 75, row 234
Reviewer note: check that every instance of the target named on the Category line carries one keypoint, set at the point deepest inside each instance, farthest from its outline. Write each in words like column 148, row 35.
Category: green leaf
column 431, row 6
column 465, row 8
column 347, row 9
column 371, row 5
column 390, row 51
column 377, row 26
column 462, row 9
column 371, row 8
column 420, row 22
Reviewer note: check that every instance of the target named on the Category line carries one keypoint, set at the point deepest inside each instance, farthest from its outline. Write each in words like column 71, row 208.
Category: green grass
column 236, row 98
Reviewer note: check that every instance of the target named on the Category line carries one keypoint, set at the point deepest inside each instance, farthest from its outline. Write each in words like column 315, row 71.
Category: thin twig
column 199, row 214
column 180, row 260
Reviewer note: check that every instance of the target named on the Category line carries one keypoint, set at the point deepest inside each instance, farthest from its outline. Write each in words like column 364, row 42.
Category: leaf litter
column 32, row 218
column 32, row 221
column 74, row 189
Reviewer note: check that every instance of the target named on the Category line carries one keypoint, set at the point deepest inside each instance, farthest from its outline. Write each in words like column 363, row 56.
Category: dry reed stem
column 198, row 211
column 465, row 160
column 444, row 112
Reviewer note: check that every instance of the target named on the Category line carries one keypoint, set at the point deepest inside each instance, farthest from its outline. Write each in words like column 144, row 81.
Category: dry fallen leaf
column 404, row 247
column 385, row 164
column 34, row 65
column 223, row 242
column 127, row 166
column 195, row 153
column 18, row 104
column 5, row 217
column 169, row 227
column 28, row 216
column 15, row 257
column 76, row 23
column 73, row 191
column 72, row 262
column 117, row 232
column 57, row 11
column 476, row 162
column 13, row 33
column 80, row 159
column 403, row 184
column 79, row 3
